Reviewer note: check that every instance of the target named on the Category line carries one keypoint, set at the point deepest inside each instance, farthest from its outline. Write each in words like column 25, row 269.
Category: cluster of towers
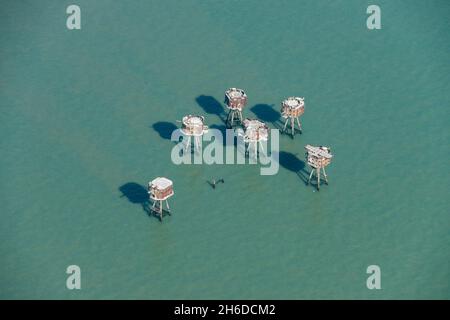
column 255, row 132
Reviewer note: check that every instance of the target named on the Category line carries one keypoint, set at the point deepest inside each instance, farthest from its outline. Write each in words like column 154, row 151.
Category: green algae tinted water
column 85, row 123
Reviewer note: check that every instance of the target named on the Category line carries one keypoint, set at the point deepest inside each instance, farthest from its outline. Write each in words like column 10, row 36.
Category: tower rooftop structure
column 193, row 126
column 236, row 99
column 318, row 158
column 291, row 109
column 160, row 189
column 255, row 132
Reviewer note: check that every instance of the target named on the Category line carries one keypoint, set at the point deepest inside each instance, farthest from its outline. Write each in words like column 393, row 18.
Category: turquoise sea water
column 85, row 120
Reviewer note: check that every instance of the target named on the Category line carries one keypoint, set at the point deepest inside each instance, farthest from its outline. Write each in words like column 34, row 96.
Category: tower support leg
column 261, row 148
column 318, row 178
column 188, row 144
column 252, row 149
column 325, row 175
column 292, row 126
column 310, row 175
column 299, row 124
column 285, row 124
column 168, row 208
column 197, row 143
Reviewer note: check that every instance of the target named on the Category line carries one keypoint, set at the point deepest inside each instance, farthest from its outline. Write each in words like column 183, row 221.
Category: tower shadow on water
column 223, row 130
column 292, row 163
column 268, row 114
column 164, row 129
column 137, row 194
column 211, row 105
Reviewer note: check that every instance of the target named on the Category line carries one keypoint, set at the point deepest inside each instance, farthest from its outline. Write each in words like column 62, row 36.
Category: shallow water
column 86, row 118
